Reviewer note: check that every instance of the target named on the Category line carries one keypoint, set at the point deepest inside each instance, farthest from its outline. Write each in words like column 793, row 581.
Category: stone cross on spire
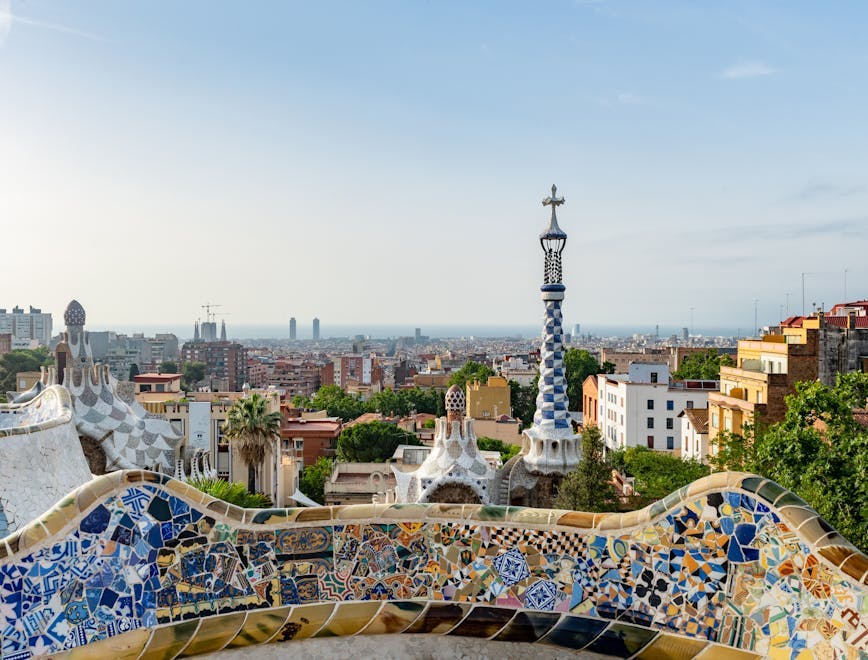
column 554, row 201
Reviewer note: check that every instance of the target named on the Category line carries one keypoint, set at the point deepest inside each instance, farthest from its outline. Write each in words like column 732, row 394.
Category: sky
column 384, row 162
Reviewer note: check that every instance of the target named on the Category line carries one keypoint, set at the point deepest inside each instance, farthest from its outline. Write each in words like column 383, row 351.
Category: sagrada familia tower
column 455, row 470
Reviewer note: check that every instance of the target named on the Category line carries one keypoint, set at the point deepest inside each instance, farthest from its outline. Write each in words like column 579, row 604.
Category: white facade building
column 641, row 408
column 694, row 434
column 27, row 327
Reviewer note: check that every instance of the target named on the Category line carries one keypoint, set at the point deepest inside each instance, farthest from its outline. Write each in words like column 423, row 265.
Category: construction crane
column 209, row 315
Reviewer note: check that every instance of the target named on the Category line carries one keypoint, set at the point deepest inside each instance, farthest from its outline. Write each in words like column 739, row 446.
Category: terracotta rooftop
column 698, row 418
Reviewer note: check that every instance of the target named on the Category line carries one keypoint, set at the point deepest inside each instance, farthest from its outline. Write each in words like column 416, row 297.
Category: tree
column 469, row 372
column 232, row 492
column 428, row 424
column 507, row 451
column 134, row 370
column 21, row 360
column 702, row 366
column 168, row 367
column 422, row 400
column 607, row 367
column 192, row 374
column 338, row 403
column 523, row 398
column 314, row 477
column 657, row 474
column 253, row 432
column 373, row 442
column 819, row 451
column 578, row 365
column 589, row 487
column 390, row 403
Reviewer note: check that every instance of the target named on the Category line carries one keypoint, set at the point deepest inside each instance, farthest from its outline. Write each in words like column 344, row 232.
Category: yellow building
column 490, row 400
column 766, row 371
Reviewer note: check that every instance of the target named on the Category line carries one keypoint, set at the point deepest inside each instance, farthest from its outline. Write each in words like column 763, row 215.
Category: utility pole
column 788, row 303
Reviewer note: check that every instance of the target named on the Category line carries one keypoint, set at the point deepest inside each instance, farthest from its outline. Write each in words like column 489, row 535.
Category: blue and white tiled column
column 551, row 401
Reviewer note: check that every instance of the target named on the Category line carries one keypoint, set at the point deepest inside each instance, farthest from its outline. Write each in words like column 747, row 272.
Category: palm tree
column 252, row 430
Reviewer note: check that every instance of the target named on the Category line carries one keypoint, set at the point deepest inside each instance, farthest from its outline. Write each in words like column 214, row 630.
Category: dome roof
column 455, row 399
column 74, row 314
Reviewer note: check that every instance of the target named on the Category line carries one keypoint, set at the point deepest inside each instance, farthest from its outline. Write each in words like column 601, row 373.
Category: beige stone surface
column 400, row 647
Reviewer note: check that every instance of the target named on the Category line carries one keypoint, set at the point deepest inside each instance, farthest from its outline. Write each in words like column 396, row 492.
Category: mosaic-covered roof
column 74, row 314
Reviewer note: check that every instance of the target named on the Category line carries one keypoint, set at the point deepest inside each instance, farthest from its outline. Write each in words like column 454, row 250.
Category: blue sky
column 384, row 162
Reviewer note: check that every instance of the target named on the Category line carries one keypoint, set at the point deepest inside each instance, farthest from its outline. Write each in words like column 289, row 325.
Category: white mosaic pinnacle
column 550, row 444
column 454, row 460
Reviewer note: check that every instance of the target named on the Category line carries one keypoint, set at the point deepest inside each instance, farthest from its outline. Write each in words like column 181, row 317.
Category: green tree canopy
column 373, row 442
column 314, row 477
column 578, row 365
column 390, row 403
column 819, row 451
column 469, row 372
column 507, row 451
column 657, row 474
column 523, row 399
column 134, row 370
column 703, row 366
column 253, row 432
column 338, row 403
column 589, row 487
column 233, row 492
column 168, row 367
column 21, row 360
column 193, row 373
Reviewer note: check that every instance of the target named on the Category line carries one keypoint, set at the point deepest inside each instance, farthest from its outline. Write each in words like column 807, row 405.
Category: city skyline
column 708, row 156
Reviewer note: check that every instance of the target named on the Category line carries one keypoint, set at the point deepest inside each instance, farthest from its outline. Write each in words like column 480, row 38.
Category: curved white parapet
column 41, row 459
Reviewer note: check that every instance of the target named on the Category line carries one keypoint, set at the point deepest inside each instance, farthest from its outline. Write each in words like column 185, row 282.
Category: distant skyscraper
column 315, row 328
column 292, row 328
column 576, row 330
column 685, row 333
column 418, row 335
column 223, row 330
column 27, row 326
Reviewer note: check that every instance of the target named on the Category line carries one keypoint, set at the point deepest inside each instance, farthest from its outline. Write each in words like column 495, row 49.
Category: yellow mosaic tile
column 168, row 641
column 671, row 647
column 579, row 519
column 529, row 516
column 394, row 617
column 127, row 646
column 856, row 566
column 259, row 627
column 315, row 514
column 31, row 535
column 349, row 618
column 96, row 489
column 214, row 633
column 305, row 621
column 720, row 652
column 60, row 516
column 360, row 511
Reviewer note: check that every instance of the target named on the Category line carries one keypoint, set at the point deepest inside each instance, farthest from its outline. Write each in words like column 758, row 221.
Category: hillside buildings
column 225, row 362
column 641, row 407
column 488, row 400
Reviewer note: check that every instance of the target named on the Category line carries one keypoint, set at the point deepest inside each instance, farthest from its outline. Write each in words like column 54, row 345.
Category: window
column 670, row 442
column 715, row 420
column 653, row 376
column 690, row 404
column 650, row 423
column 650, row 442
column 670, row 423
column 650, row 404
column 670, row 405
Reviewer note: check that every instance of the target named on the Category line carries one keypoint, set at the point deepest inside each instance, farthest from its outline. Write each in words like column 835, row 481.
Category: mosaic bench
column 136, row 564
